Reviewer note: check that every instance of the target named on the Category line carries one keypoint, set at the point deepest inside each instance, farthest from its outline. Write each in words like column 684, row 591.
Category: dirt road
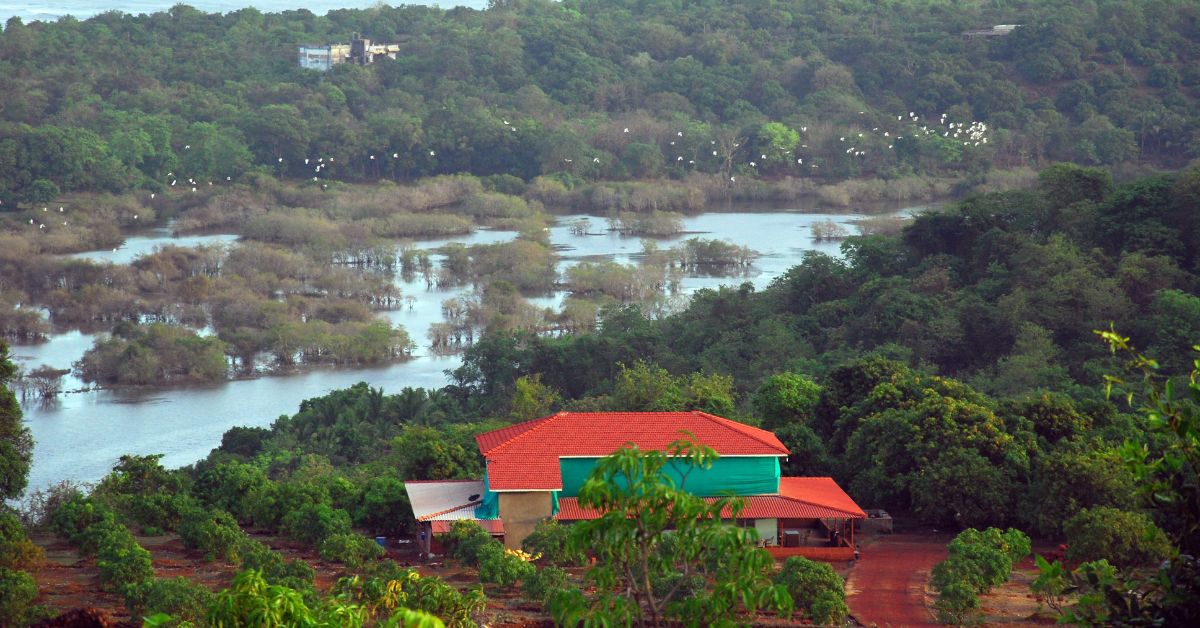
column 887, row 585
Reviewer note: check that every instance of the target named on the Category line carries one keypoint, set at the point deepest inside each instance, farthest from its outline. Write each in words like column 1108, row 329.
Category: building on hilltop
column 535, row 470
column 999, row 30
column 360, row 50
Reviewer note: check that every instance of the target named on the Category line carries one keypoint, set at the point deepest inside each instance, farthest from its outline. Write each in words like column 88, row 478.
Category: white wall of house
column 768, row 530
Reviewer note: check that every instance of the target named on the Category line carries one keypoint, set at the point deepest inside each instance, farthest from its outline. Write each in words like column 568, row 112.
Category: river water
column 80, row 435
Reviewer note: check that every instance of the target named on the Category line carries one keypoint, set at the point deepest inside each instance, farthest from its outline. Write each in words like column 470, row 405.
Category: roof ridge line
column 546, row 420
column 719, row 420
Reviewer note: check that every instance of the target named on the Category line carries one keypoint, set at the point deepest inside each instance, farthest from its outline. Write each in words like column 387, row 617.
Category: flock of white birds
column 973, row 134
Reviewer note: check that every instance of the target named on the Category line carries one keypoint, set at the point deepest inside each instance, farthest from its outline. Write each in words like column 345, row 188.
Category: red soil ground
column 887, row 585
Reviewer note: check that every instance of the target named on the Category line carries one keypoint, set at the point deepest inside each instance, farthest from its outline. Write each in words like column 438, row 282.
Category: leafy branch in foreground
column 1166, row 464
column 662, row 554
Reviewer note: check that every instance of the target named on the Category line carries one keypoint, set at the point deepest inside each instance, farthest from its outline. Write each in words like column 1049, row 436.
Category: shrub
column 81, row 522
column 549, row 539
column 352, row 550
column 215, row 533
column 956, row 603
column 829, row 608
column 813, row 586
column 540, row 584
column 122, row 561
column 178, row 597
column 500, row 566
column 16, row 550
column 17, row 592
column 295, row 574
column 466, row 540
column 313, row 523
column 1126, row 539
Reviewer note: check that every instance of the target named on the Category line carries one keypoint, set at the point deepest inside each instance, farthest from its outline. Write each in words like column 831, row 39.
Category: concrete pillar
column 521, row 513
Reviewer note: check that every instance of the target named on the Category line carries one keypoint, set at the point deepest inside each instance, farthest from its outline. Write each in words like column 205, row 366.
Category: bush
column 177, row 597
column 121, row 561
column 549, row 539
column 500, row 566
column 16, row 550
column 956, row 603
column 978, row 561
column 352, row 550
column 314, row 523
column 1126, row 539
column 466, row 540
column 17, row 592
column 815, row 587
column 215, row 533
column 294, row 574
column 540, row 584
column 81, row 522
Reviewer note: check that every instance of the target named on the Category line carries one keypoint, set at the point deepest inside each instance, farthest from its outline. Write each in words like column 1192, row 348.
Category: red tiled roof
column 822, row 492
column 756, row 507
column 525, row 456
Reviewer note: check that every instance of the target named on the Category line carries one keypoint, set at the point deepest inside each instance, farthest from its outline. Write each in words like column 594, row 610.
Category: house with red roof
column 535, row 470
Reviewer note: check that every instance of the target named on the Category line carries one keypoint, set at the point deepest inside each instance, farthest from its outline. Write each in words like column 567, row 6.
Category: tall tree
column 16, row 443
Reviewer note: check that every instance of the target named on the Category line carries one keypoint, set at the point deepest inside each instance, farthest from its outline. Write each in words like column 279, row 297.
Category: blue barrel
column 382, row 541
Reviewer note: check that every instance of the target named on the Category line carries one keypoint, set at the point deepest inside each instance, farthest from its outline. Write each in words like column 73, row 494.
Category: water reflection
column 81, row 436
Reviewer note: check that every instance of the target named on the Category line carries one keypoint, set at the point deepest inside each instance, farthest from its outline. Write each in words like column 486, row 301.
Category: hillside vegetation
column 596, row 89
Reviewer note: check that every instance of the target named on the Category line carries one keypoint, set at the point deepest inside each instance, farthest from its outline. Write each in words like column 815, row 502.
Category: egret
column 672, row 142
column 899, row 117
column 732, row 179
column 314, row 178
column 187, row 146
column 595, row 160
column 692, row 161
column 841, row 139
column 372, row 156
column 229, row 178
column 135, row 216
column 395, row 155
column 281, row 160
column 804, row 129
column 306, row 161
column 60, row 209
column 626, row 130
column 800, row 161
column 431, row 153
column 505, row 122
column 680, row 134
column 31, row 221
column 885, row 134
column 679, row 158
column 753, row 165
column 152, row 195
column 889, row 145
column 714, row 153
column 41, row 226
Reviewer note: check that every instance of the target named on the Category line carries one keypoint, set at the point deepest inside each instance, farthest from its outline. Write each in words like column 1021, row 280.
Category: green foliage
column 1126, row 539
column 786, row 398
column 816, row 588
column 121, row 561
column 385, row 508
column 500, row 567
column 215, row 533
column 313, row 523
column 178, row 597
column 634, row 551
column 978, row 561
column 16, row 443
column 352, row 550
column 542, row 583
column 467, row 540
column 392, row 589
column 17, row 552
column 153, row 354
column 17, row 593
column 551, row 540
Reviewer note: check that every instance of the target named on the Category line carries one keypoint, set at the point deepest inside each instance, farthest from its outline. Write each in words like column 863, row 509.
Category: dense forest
column 597, row 90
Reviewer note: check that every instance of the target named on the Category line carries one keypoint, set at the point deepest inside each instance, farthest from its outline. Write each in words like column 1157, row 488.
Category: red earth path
column 887, row 585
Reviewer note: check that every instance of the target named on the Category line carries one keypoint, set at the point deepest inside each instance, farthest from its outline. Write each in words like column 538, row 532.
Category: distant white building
column 322, row 58
column 359, row 50
column 999, row 30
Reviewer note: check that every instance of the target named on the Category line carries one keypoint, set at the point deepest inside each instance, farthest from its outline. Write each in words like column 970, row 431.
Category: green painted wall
column 731, row 474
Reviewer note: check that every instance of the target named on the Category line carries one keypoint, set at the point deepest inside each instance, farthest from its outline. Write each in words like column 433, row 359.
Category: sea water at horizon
column 47, row 10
